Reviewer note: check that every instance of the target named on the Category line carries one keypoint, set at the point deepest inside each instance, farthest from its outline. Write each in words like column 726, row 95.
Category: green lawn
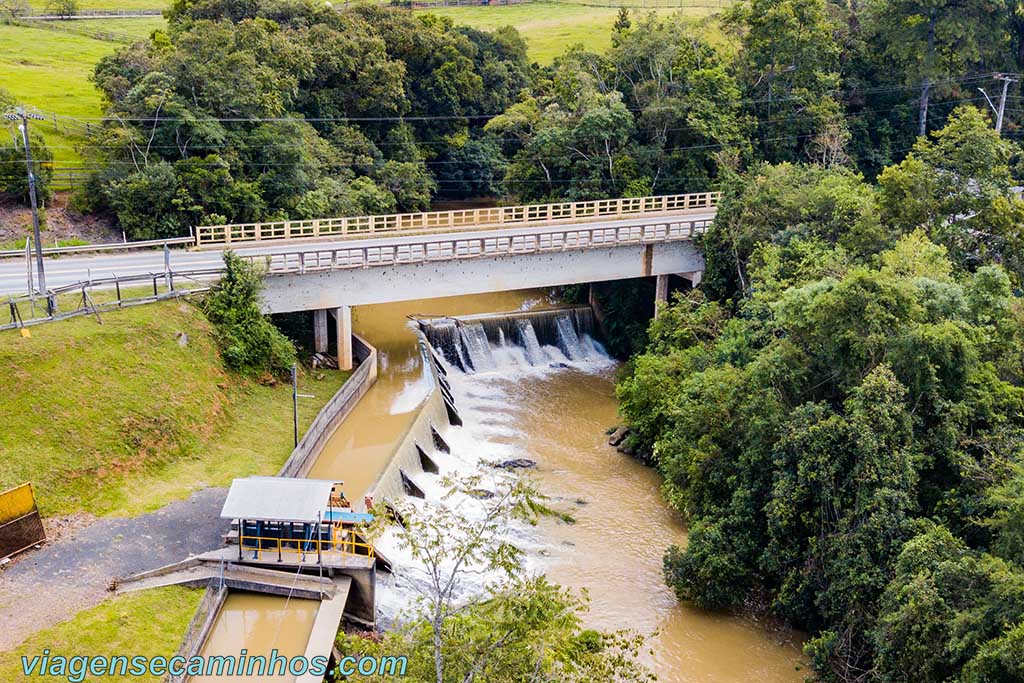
column 550, row 28
column 119, row 418
column 148, row 623
column 50, row 71
column 139, row 27
column 41, row 5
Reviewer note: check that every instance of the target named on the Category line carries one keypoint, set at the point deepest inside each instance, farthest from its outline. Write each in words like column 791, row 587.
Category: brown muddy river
column 557, row 417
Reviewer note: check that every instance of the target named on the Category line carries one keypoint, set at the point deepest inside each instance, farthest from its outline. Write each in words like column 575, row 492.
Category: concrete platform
column 330, row 560
column 236, row 577
column 325, row 628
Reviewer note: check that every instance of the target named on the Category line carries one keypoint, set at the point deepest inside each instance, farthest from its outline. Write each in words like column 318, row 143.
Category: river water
column 558, row 417
column 260, row 623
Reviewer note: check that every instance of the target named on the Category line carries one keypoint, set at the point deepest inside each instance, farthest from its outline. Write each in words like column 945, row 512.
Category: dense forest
column 839, row 412
column 261, row 109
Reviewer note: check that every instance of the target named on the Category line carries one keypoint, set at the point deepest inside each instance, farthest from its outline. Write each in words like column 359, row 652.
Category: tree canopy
column 839, row 413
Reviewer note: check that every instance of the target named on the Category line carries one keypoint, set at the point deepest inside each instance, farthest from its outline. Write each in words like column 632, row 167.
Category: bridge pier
column 320, row 330
column 661, row 287
column 343, row 325
column 660, row 294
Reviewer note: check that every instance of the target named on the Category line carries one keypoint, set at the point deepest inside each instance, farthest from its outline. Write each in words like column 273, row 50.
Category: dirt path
column 50, row 585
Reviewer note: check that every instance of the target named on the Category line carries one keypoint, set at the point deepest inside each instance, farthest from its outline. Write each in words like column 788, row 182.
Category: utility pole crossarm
column 1002, row 99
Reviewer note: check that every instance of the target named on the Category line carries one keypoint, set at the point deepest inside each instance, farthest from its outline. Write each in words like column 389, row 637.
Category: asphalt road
column 68, row 269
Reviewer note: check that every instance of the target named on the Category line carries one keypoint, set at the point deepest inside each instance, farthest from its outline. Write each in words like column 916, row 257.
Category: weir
column 469, row 342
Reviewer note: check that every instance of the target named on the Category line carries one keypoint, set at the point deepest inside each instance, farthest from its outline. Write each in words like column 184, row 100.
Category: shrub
column 249, row 342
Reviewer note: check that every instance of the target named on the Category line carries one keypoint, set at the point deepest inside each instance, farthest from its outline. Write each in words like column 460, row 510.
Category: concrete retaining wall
column 334, row 412
column 432, row 414
column 201, row 624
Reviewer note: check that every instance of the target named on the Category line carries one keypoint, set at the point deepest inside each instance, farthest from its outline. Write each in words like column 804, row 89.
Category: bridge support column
column 320, row 330
column 695, row 277
column 660, row 293
column 343, row 325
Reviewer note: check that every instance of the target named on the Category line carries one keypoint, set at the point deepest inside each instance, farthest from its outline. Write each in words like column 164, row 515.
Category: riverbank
column 614, row 549
column 123, row 417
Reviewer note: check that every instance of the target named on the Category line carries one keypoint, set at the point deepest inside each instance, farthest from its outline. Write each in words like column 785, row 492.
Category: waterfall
column 528, row 340
column 476, row 346
column 484, row 343
column 445, row 338
column 568, row 340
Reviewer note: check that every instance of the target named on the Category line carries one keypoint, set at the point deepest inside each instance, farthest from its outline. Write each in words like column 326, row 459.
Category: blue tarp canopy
column 347, row 517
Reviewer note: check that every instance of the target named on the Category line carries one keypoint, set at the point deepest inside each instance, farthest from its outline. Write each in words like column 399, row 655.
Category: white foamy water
column 489, row 435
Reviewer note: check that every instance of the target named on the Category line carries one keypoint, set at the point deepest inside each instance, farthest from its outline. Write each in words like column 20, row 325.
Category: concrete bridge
column 331, row 280
column 330, row 265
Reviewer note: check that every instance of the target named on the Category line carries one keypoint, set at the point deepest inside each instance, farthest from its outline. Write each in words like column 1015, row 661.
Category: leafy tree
column 689, row 102
column 957, row 186
column 13, row 169
column 163, row 199
column 580, row 151
column 248, row 341
column 516, row 628
column 64, row 9
column 789, row 67
column 779, row 203
column 845, row 448
column 931, row 40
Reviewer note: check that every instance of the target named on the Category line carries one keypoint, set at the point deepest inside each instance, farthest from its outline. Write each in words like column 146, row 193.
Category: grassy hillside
column 550, row 28
column 121, row 417
column 50, row 71
column 147, row 623
column 139, row 27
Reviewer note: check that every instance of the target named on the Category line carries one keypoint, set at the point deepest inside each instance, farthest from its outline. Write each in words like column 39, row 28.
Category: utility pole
column 1002, row 100
column 24, row 116
column 1001, row 109
column 295, row 403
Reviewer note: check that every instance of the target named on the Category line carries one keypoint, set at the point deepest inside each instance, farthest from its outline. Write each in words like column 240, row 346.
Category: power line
column 464, row 116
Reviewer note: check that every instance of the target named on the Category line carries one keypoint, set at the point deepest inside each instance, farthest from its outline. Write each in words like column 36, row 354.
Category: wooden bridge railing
column 442, row 221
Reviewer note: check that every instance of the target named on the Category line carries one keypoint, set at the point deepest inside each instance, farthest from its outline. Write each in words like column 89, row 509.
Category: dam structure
column 469, row 342
column 405, row 422
column 281, row 553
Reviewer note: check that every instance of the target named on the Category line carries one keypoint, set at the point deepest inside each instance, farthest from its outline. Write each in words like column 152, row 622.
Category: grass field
column 50, row 71
column 136, row 27
column 148, row 623
column 550, row 28
column 41, row 5
column 120, row 418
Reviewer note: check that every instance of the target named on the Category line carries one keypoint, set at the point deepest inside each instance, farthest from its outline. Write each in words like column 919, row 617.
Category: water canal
column 263, row 623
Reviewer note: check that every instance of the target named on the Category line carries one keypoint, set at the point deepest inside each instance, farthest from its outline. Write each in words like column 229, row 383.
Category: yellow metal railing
column 345, row 543
column 465, row 219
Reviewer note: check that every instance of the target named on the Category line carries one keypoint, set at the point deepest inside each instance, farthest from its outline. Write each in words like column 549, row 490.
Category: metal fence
column 78, row 299
column 453, row 221
column 52, row 24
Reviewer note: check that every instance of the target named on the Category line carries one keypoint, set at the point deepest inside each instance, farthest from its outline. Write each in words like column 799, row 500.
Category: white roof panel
column 281, row 499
